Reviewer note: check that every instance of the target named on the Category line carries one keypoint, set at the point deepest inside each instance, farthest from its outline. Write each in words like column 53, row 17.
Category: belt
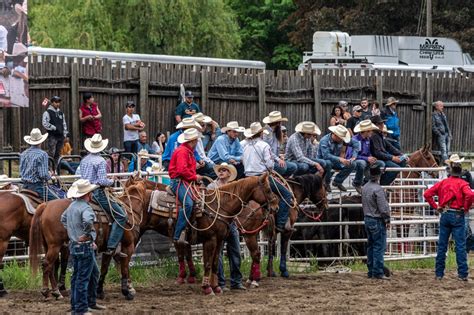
column 455, row 210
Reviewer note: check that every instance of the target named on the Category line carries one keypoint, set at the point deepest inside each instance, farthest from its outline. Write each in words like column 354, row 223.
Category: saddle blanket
column 29, row 207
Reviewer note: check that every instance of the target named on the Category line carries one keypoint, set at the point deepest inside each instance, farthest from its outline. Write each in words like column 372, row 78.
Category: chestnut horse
column 46, row 229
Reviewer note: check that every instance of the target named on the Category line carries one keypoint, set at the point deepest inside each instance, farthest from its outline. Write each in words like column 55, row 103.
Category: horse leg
column 189, row 260
column 182, row 267
column 127, row 289
column 215, row 265
column 3, row 249
column 104, row 268
column 209, row 247
column 285, row 237
column 252, row 245
column 62, row 273
column 271, row 254
column 49, row 263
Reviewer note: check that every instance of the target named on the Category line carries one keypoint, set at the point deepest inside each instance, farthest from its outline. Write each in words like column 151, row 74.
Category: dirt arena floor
column 408, row 291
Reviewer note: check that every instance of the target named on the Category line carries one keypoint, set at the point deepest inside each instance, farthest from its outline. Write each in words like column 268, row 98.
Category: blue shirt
column 172, row 144
column 94, row 168
column 330, row 150
column 187, row 110
column 132, row 167
column 146, row 147
column 78, row 219
column 225, row 149
column 34, row 166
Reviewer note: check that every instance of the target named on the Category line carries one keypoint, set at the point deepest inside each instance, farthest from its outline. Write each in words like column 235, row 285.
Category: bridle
column 426, row 162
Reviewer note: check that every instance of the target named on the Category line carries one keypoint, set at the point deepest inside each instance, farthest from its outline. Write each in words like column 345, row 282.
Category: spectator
column 441, row 131
column 392, row 120
column 90, row 115
column 159, row 144
column 143, row 144
column 144, row 162
column 345, row 110
column 186, row 108
column 355, row 119
column 375, row 108
column 115, row 164
column 366, row 112
column 7, row 185
column 284, row 132
column 55, row 124
column 336, row 116
column 204, row 165
column 210, row 129
column 67, row 163
column 131, row 126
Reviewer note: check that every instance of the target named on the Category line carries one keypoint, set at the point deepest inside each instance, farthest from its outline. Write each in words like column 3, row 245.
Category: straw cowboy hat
column 96, row 144
column 308, row 127
column 365, row 125
column 231, row 168
column 35, row 137
column 386, row 130
column 188, row 122
column 189, row 135
column 201, row 118
column 4, row 184
column 391, row 100
column 454, row 159
column 254, row 129
column 233, row 125
column 274, row 117
column 80, row 188
column 341, row 132
column 143, row 153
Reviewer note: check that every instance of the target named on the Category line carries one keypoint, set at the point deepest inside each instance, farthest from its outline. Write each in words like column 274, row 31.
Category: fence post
column 204, row 90
column 2, row 124
column 262, row 106
column 144, row 81
column 429, row 108
column 75, row 103
column 379, row 88
column 15, row 125
column 318, row 107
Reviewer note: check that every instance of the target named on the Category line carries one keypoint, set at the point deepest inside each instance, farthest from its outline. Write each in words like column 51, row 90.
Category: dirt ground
column 413, row 291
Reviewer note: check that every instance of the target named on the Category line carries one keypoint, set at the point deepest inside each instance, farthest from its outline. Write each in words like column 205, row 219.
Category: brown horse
column 47, row 230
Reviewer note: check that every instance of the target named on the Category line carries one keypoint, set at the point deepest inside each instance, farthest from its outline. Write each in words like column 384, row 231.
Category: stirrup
column 182, row 239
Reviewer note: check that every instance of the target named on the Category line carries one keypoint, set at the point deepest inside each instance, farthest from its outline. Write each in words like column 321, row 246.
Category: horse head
column 311, row 186
column 424, row 158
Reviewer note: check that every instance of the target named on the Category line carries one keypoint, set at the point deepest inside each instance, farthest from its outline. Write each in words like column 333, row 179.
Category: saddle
column 30, row 198
column 163, row 204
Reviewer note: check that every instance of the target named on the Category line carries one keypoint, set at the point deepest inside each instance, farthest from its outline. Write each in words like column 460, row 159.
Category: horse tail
column 36, row 239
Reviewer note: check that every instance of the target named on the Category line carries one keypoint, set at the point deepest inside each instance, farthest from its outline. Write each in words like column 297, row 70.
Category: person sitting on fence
column 132, row 124
column 392, row 120
column 363, row 132
column 227, row 173
column 186, row 108
column 355, row 119
column 274, row 138
column 366, row 112
column 90, row 115
column 7, row 185
column 336, row 116
column 300, row 151
column 257, row 159
column 441, row 132
column 144, row 162
column 159, row 144
column 55, row 124
column 227, row 147
column 345, row 110
column 143, row 144
column 115, row 164
column 329, row 150
column 205, row 166
column 67, row 163
column 454, row 200
column 34, row 170
column 386, row 152
column 182, row 171
column 173, row 143
column 94, row 168
column 210, row 130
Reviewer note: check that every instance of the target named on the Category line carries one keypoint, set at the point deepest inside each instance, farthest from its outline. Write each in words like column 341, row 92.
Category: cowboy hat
column 3, row 184
column 231, row 168
column 96, row 144
column 189, row 135
column 386, row 130
column 80, row 188
column 365, row 125
column 341, row 132
column 254, row 129
column 188, row 122
column 274, row 117
column 143, row 153
column 377, row 119
column 201, row 118
column 308, row 127
column 454, row 159
column 391, row 100
column 35, row 137
column 233, row 125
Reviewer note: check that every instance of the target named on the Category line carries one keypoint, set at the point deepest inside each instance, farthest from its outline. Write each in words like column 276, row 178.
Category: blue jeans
column 344, row 171
column 207, row 170
column 44, row 191
column 376, row 244
column 388, row 177
column 117, row 214
column 305, row 168
column 187, row 203
column 444, row 144
column 285, row 200
column 452, row 222
column 289, row 169
column 82, row 284
column 233, row 252
column 131, row 146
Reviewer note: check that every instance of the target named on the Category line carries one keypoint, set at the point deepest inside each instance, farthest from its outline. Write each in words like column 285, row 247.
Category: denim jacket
column 440, row 125
column 330, row 150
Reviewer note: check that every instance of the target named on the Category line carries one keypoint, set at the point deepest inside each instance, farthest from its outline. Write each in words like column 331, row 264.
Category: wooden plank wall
column 233, row 94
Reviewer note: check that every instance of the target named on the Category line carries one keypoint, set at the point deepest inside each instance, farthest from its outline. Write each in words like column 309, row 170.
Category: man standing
column 376, row 218
column 366, row 113
column 392, row 120
column 355, row 119
column 186, row 108
column 78, row 219
column 131, row 126
column 454, row 200
column 55, row 123
column 441, row 131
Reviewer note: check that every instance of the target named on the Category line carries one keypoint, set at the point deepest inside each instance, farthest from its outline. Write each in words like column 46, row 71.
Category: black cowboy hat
column 377, row 119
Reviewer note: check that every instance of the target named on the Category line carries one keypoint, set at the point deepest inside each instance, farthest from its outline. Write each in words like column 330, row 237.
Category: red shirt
column 90, row 127
column 183, row 164
column 452, row 192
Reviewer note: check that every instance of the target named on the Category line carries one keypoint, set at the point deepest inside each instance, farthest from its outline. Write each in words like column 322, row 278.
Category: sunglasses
column 223, row 170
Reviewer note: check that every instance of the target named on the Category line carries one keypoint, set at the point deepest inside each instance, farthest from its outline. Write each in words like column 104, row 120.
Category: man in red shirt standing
column 182, row 171
column 454, row 200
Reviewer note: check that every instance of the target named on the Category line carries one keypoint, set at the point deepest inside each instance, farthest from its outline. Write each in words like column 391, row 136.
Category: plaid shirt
column 94, row 168
column 34, row 166
column 299, row 149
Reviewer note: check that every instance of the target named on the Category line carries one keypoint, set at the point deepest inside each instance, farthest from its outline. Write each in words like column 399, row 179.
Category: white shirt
column 130, row 135
column 200, row 151
column 257, row 157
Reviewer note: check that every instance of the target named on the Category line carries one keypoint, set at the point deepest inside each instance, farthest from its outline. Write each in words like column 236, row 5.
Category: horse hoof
column 129, row 297
column 3, row 293
column 132, row 290
column 191, row 279
column 207, row 290
column 180, row 280
column 64, row 292
column 271, row 274
column 285, row 274
column 45, row 292
column 101, row 295
column 254, row 284
column 217, row 290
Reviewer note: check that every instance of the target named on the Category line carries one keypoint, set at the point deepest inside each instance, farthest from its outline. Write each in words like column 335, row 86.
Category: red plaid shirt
column 452, row 192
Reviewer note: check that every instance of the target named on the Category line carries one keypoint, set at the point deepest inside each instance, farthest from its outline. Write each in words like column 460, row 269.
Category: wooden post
column 16, row 129
column 262, row 106
column 429, row 22
column 318, row 107
column 1, row 137
column 379, row 88
column 204, row 89
column 144, row 81
column 429, row 109
column 75, row 104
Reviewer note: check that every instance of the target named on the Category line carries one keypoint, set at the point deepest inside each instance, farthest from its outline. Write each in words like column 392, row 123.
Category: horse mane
column 310, row 183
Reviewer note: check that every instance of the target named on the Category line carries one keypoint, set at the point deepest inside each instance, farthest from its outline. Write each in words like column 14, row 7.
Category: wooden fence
column 245, row 95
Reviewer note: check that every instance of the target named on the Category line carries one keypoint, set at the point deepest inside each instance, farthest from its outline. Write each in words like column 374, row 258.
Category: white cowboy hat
column 386, row 130
column 231, row 168
column 233, row 125
column 255, row 128
column 189, row 135
column 308, row 127
column 188, row 122
column 454, row 159
column 35, row 137
column 273, row 117
column 143, row 153
column 341, row 132
column 80, row 188
column 3, row 184
column 365, row 125
column 96, row 144
column 201, row 118
column 391, row 100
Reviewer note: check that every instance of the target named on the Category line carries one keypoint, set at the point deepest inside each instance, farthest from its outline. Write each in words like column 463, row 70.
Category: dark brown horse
column 47, row 230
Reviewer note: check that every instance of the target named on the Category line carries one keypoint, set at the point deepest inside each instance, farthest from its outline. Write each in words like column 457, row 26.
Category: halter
column 424, row 160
